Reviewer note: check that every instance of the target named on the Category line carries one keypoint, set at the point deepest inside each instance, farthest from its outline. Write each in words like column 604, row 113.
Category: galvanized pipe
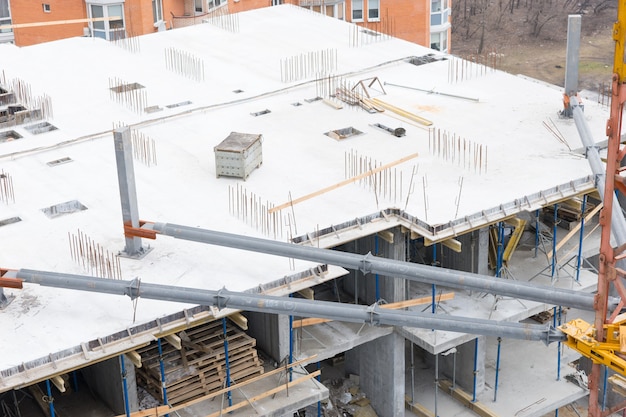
column 389, row 267
column 618, row 223
column 293, row 306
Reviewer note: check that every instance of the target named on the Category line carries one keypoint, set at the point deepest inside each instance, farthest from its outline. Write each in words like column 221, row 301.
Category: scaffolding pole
column 374, row 314
column 227, row 362
column 369, row 264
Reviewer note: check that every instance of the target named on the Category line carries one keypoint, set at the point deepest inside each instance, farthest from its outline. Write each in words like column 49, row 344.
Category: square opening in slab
column 344, row 133
column 14, row 109
column 182, row 103
column 261, row 113
column 122, row 88
column 59, row 161
column 9, row 135
column 237, row 91
column 63, row 208
column 370, row 32
column 41, row 127
column 10, row 220
column 425, row 59
column 296, row 104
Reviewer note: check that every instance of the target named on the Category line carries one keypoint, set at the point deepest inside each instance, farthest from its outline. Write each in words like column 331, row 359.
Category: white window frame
column 7, row 19
column 371, row 9
column 357, row 9
column 436, row 37
column 46, row 7
column 157, row 11
column 215, row 4
column 104, row 29
column 202, row 8
column 439, row 13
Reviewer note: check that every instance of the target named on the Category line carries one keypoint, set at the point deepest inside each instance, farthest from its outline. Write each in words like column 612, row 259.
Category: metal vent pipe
column 389, row 267
column 373, row 315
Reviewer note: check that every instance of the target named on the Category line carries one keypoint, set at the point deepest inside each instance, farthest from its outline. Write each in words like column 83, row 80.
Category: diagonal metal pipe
column 618, row 222
column 389, row 267
column 373, row 315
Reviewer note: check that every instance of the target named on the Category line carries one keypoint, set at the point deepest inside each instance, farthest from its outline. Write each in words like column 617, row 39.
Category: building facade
column 28, row 22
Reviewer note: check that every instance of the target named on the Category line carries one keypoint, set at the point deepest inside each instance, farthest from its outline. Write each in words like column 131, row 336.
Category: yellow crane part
column 581, row 338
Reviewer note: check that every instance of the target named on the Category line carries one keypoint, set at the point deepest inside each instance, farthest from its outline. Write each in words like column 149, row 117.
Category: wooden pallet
column 199, row 367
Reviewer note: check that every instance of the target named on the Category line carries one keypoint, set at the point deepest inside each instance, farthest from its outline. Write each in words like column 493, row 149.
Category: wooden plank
column 514, row 239
column 342, row 183
column 266, row 394
column 576, row 228
column 134, row 357
column 224, row 390
column 417, row 408
column 401, row 112
column 453, row 244
column 466, row 399
column 174, row 340
column 386, row 235
column 397, row 305
column 336, row 106
column 240, row 320
column 57, row 22
column 307, row 293
column 157, row 411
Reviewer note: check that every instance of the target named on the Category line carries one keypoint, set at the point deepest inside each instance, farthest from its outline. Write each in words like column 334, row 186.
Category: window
column 199, row 7
column 46, row 7
column 373, row 9
column 157, row 10
column 107, row 29
column 277, row 2
column 439, row 41
column 439, row 12
column 217, row 3
column 5, row 15
column 357, row 10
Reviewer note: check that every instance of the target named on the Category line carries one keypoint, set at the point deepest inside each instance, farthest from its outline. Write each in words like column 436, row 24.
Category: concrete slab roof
column 486, row 156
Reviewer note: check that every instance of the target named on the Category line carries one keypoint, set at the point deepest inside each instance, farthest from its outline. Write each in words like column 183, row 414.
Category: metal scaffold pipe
column 389, row 267
column 618, row 222
column 373, row 315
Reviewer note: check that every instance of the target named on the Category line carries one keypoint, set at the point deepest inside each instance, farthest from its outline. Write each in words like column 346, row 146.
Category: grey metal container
column 238, row 155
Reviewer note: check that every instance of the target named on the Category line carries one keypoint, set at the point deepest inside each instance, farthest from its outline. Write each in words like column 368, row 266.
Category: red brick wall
column 31, row 11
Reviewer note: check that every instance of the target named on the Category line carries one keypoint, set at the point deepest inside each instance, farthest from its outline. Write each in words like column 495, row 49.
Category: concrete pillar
column 271, row 332
column 105, row 380
column 380, row 366
column 127, row 187
column 574, row 23
column 465, row 365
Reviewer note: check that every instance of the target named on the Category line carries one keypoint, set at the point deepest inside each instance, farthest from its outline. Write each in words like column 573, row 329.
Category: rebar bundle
column 144, row 148
column 326, row 86
column 451, row 148
column 372, row 32
column 386, row 183
column 473, row 66
column 185, row 64
column 126, row 41
column 312, row 64
column 223, row 20
column 23, row 95
column 93, row 257
column 250, row 208
column 7, row 193
column 130, row 95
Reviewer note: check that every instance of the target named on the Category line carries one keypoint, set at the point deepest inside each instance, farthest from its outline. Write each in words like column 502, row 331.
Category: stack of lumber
column 199, row 367
column 569, row 213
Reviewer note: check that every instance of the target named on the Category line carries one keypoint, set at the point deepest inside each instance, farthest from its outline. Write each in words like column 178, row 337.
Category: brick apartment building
column 424, row 22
